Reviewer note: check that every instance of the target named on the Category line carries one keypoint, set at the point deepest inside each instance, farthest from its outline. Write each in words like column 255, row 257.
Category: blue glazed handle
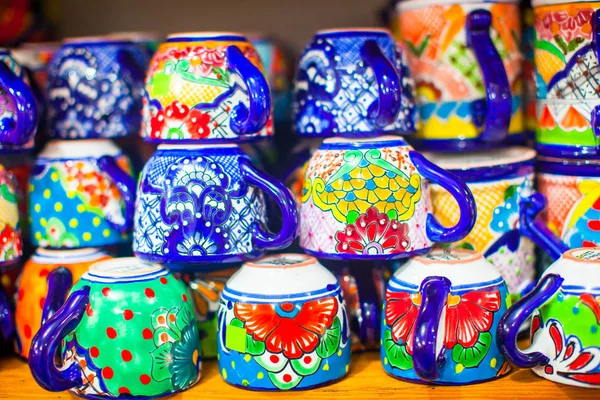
column 434, row 292
column 126, row 185
column 284, row 200
column 246, row 121
column 515, row 317
column 384, row 111
column 59, row 282
column 47, row 342
column 7, row 326
column 459, row 190
column 17, row 132
column 532, row 226
column 497, row 88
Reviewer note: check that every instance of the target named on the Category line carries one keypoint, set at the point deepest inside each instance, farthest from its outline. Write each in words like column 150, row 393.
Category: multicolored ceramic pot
column 441, row 314
column 565, row 325
column 19, row 109
column 206, row 86
column 31, row 305
column 466, row 61
column 203, row 204
column 353, row 83
column 127, row 329
column 81, row 194
column 283, row 325
column 499, row 181
column 368, row 199
column 11, row 244
column 95, row 88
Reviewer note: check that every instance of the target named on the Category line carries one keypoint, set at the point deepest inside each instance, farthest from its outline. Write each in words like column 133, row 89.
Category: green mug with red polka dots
column 127, row 328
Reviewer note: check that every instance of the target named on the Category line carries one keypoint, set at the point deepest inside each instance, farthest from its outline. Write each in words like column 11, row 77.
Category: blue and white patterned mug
column 203, row 204
column 353, row 83
column 95, row 88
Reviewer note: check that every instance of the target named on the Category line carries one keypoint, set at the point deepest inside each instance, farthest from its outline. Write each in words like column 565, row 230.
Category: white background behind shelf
column 294, row 21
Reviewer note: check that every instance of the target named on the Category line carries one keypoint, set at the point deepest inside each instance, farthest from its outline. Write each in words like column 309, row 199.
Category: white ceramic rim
column 496, row 157
column 308, row 261
column 61, row 253
column 570, row 255
column 78, row 149
column 416, row 4
column 195, row 146
column 540, row 3
column 201, row 34
column 354, row 29
column 384, row 138
column 93, row 39
column 141, row 268
column 471, row 256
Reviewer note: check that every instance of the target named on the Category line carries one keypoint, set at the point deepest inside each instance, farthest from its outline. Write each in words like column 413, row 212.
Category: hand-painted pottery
column 206, row 86
column 19, row 169
column 565, row 325
column 81, row 194
column 206, row 288
column 369, row 199
column 127, row 330
column 466, row 61
column 11, row 244
column 283, row 325
column 200, row 204
column 499, row 181
column 95, row 88
column 148, row 40
column 528, row 72
column 36, row 57
column 19, row 110
column 353, row 83
column 441, row 312
column 33, row 288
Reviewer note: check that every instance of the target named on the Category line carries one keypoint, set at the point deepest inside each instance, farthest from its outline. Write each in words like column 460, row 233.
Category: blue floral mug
column 95, row 88
column 353, row 83
column 204, row 204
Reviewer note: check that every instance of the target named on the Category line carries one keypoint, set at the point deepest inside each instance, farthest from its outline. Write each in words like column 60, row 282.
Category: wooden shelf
column 365, row 381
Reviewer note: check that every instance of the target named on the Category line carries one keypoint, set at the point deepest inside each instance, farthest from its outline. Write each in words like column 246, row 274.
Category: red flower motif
column 197, row 124
column 293, row 336
column 11, row 238
column 401, row 310
column 373, row 233
column 210, row 58
column 176, row 110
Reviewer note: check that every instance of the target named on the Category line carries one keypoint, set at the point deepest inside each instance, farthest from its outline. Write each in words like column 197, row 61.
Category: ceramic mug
column 11, row 244
column 369, row 199
column 283, row 325
column 466, row 61
column 353, row 83
column 148, row 40
column 499, row 180
column 441, row 312
column 95, row 88
column 565, row 346
column 201, row 204
column 129, row 330
column 206, row 86
column 19, row 111
column 31, row 304
column 81, row 194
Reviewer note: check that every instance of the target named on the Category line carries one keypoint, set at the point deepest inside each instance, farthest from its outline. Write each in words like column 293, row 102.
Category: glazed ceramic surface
column 206, row 87
column 528, row 71
column 19, row 167
column 149, row 41
column 11, row 244
column 33, row 287
column 441, row 312
column 565, row 325
column 353, row 83
column 204, row 204
column 283, row 325
column 369, row 199
column 127, row 328
column 19, row 110
column 466, row 61
column 499, row 180
column 572, row 190
column 95, row 88
column 81, row 194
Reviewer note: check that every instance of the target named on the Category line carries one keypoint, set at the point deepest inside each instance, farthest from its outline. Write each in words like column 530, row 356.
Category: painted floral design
column 11, row 246
column 57, row 235
column 169, row 123
column 373, row 233
column 210, row 58
column 569, row 23
column 401, row 310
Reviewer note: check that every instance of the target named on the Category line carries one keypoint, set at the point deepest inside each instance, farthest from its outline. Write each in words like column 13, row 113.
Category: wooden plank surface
column 366, row 380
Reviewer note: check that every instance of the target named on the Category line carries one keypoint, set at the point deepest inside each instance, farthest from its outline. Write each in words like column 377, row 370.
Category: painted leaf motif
column 510, row 192
column 306, row 365
column 271, row 362
column 466, row 246
column 161, row 359
column 330, row 340
column 396, row 354
column 254, row 347
column 285, row 379
column 471, row 357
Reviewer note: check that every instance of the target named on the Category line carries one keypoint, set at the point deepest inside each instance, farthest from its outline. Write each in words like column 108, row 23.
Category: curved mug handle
column 19, row 132
column 7, row 326
column 47, row 342
column 250, row 120
column 284, row 200
column 59, row 282
column 384, row 111
column 461, row 193
column 434, row 292
column 515, row 317
column 497, row 87
column 126, row 185
column 532, row 226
